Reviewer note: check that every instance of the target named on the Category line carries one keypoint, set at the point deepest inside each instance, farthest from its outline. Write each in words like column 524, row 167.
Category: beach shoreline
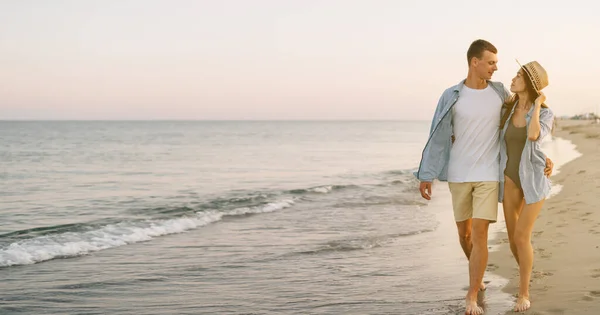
column 566, row 237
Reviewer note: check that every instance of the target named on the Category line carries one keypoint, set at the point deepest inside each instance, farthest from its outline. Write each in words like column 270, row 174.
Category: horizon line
column 195, row 120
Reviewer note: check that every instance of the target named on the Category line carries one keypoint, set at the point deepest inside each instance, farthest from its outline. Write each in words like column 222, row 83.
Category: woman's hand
column 540, row 99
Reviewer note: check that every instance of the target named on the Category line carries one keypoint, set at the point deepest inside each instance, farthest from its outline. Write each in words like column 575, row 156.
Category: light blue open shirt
column 536, row 186
column 436, row 154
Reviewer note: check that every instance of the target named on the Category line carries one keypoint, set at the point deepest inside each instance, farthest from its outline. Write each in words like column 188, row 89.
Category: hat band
column 531, row 78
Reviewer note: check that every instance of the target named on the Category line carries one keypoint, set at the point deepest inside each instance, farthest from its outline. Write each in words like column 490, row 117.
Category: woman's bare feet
column 523, row 304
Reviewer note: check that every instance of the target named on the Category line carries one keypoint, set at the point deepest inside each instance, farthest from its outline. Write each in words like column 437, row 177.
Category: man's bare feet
column 472, row 308
column 522, row 305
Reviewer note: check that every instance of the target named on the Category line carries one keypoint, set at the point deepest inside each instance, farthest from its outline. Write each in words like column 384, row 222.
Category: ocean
column 226, row 217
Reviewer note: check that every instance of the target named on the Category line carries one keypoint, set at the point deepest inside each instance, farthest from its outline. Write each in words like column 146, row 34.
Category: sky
column 279, row 59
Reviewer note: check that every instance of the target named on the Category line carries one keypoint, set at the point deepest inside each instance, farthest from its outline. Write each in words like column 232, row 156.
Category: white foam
column 322, row 189
column 560, row 151
column 554, row 190
column 270, row 207
column 70, row 244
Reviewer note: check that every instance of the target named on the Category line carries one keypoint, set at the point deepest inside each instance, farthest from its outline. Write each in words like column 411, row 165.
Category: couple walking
column 486, row 143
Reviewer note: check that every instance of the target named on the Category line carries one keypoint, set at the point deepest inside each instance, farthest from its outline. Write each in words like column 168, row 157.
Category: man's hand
column 425, row 189
column 549, row 167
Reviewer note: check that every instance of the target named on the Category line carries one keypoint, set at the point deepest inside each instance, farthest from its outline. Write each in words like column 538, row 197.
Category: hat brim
column 529, row 76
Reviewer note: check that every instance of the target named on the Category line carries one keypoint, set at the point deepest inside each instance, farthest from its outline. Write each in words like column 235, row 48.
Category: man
column 463, row 149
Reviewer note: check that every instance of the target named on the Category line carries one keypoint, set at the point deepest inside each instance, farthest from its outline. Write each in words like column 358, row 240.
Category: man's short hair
column 478, row 47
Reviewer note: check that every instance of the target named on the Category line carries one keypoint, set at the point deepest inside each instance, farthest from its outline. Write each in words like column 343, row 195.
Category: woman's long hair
column 510, row 102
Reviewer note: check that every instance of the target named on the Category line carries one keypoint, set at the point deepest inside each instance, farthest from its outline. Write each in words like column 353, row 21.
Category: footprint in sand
column 543, row 288
column 541, row 274
column 542, row 252
column 587, row 298
column 596, row 273
column 592, row 295
column 504, row 241
column 562, row 225
column 595, row 293
column 491, row 267
column 538, row 233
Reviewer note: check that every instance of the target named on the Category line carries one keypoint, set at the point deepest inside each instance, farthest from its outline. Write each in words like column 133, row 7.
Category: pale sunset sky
column 279, row 59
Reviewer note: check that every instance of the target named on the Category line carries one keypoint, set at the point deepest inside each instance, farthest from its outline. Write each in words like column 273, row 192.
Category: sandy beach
column 566, row 239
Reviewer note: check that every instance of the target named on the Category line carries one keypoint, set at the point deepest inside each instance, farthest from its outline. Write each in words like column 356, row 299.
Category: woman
column 523, row 186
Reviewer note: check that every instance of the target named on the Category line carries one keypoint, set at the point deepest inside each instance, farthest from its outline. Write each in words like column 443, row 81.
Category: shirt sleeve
column 546, row 122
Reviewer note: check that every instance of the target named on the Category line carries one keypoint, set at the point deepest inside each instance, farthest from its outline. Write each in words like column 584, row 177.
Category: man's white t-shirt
column 474, row 156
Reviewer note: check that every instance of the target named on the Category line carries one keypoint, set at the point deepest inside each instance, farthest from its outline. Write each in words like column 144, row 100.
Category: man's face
column 487, row 65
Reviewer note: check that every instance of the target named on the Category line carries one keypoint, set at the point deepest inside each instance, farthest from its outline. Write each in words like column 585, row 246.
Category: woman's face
column 518, row 82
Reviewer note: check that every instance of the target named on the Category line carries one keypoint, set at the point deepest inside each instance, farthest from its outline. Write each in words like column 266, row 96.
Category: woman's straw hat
column 536, row 73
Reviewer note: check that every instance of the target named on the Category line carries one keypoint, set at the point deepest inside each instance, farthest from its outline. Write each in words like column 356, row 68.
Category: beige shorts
column 477, row 200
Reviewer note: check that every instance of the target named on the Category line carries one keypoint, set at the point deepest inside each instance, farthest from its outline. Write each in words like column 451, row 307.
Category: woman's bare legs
column 522, row 237
column 512, row 203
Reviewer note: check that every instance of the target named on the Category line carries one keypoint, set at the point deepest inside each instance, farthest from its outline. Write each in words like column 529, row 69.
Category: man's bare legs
column 512, row 203
column 523, row 241
column 464, row 236
column 477, row 264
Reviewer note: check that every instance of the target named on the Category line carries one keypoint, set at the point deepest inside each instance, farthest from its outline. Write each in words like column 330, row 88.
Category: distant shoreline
column 212, row 120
